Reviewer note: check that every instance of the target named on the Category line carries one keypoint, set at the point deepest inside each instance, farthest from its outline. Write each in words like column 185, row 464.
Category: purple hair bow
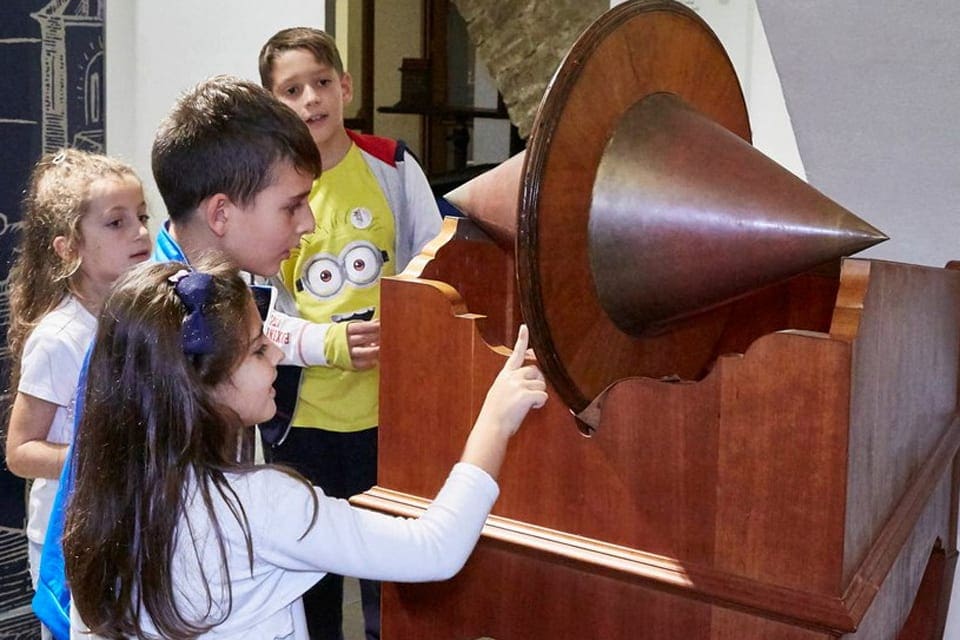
column 193, row 289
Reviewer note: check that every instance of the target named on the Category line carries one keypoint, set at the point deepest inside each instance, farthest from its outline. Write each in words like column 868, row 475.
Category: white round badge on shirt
column 361, row 217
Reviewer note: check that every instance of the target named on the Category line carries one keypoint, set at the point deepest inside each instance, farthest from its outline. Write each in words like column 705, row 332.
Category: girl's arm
column 515, row 391
column 355, row 542
column 28, row 453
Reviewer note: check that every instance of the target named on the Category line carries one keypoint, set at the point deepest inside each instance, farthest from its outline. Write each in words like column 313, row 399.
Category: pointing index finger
column 519, row 349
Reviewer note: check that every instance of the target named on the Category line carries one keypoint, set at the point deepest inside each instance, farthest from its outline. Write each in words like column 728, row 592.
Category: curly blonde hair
column 57, row 198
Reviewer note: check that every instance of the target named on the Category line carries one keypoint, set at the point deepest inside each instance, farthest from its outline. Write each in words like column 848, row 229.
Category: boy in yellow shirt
column 374, row 212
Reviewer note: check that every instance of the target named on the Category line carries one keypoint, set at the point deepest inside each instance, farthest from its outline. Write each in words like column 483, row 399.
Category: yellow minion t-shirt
column 334, row 276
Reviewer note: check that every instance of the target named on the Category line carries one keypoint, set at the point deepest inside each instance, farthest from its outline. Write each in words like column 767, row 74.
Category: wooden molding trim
column 883, row 553
column 854, row 280
column 823, row 612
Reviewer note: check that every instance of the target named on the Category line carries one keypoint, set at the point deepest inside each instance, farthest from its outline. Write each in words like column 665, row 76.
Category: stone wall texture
column 522, row 43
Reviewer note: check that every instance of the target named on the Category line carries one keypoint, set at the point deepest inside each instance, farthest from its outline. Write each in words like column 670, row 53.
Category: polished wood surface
column 796, row 491
column 789, row 469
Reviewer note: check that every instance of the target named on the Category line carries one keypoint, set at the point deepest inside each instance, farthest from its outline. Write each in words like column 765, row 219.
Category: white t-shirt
column 50, row 369
column 345, row 540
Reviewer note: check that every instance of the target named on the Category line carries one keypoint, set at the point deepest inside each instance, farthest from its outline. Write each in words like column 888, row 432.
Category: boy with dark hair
column 374, row 212
column 234, row 167
column 234, row 171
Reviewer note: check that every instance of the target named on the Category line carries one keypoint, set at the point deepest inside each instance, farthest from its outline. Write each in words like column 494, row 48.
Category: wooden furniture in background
column 446, row 104
column 443, row 116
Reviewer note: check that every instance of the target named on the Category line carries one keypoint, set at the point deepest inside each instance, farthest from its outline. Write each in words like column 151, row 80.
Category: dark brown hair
column 320, row 43
column 227, row 135
column 150, row 434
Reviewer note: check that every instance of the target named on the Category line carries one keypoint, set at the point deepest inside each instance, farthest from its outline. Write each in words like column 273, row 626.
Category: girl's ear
column 63, row 248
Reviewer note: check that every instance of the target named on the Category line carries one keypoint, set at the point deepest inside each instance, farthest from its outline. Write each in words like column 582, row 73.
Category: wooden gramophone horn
column 644, row 212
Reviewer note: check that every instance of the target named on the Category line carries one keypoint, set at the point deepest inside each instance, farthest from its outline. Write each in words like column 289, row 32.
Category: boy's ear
column 346, row 87
column 215, row 212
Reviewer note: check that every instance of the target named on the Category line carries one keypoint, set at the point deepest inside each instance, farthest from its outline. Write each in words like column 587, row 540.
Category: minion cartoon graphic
column 342, row 283
column 334, row 277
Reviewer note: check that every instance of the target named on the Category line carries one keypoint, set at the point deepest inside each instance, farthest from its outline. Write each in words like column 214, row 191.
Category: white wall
column 490, row 138
column 737, row 25
column 872, row 88
column 157, row 50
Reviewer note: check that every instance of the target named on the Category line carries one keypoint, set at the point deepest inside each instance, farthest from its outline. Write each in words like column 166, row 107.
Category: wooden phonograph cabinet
column 749, row 435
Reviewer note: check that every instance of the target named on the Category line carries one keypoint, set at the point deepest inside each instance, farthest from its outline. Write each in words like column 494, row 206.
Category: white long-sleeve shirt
column 288, row 559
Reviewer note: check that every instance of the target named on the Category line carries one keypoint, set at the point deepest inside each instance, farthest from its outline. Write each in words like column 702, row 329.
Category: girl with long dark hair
column 169, row 535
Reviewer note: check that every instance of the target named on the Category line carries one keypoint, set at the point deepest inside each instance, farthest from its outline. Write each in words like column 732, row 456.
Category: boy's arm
column 422, row 215
column 302, row 342
column 349, row 346
column 353, row 346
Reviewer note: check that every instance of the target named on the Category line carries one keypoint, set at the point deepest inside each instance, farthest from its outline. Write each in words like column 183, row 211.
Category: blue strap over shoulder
column 51, row 602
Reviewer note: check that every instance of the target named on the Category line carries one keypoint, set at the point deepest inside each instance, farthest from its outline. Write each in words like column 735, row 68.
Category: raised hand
column 515, row 391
